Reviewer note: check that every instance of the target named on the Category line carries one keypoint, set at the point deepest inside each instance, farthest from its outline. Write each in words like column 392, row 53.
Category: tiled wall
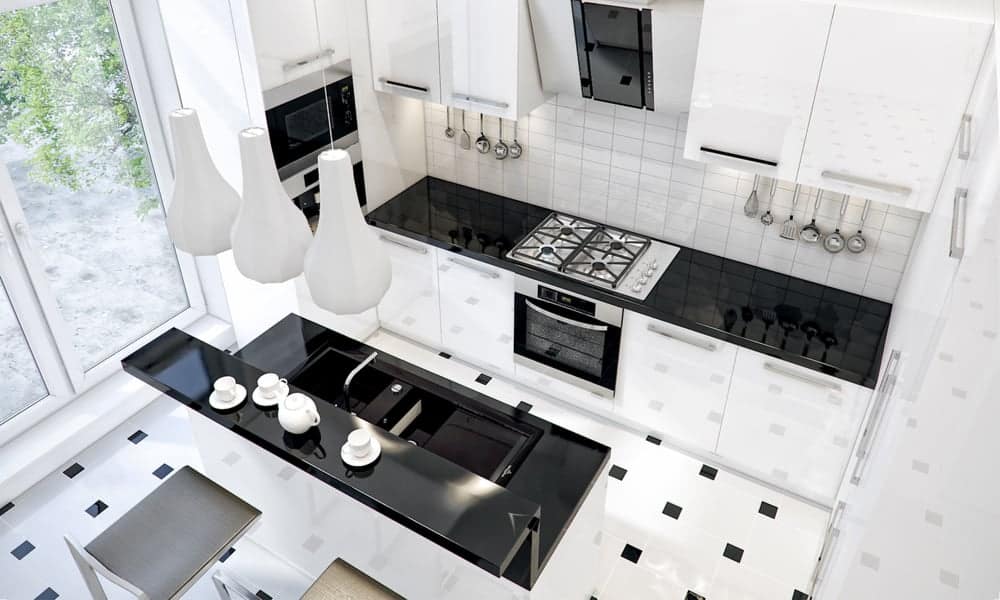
column 625, row 167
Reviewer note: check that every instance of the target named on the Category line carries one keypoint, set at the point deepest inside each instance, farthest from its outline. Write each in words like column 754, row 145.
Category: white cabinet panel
column 477, row 312
column 755, row 79
column 411, row 306
column 889, row 104
column 674, row 380
column 404, row 48
column 791, row 425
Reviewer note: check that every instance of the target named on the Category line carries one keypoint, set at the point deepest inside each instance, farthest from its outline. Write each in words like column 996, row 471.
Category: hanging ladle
column 834, row 242
column 501, row 149
column 482, row 142
column 810, row 234
column 767, row 218
column 449, row 132
column 515, row 147
column 857, row 242
column 466, row 140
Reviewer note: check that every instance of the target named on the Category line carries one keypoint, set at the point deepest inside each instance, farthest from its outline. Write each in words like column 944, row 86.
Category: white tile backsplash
column 625, row 167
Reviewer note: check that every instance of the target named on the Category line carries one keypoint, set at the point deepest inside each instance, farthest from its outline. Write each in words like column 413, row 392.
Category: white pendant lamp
column 270, row 236
column 346, row 268
column 204, row 206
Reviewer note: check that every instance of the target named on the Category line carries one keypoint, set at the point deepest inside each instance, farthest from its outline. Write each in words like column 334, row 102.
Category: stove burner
column 567, row 230
column 546, row 250
column 617, row 245
column 598, row 265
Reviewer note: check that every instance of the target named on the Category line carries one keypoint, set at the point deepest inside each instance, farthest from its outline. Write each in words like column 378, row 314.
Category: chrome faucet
column 350, row 377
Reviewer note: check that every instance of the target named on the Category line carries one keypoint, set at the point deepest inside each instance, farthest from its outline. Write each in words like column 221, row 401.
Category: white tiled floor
column 677, row 555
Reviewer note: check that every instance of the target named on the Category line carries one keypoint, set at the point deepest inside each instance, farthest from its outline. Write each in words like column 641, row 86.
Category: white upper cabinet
column 404, row 48
column 297, row 37
column 757, row 68
column 889, row 104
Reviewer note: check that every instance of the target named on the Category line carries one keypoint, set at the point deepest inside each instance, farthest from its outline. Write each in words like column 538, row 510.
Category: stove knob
column 653, row 265
column 650, row 271
column 637, row 287
column 643, row 281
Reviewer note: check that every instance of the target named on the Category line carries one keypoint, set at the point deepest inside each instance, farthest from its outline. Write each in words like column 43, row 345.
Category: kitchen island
column 510, row 507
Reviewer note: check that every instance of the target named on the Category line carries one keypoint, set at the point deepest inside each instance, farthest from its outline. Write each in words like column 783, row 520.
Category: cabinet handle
column 417, row 249
column 406, row 87
column 875, row 418
column 690, row 341
column 305, row 60
column 831, row 537
column 564, row 320
column 957, row 249
column 479, row 101
column 796, row 374
column 872, row 184
column 485, row 272
column 965, row 138
column 759, row 161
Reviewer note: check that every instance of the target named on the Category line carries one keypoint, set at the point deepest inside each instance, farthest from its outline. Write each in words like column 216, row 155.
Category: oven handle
column 564, row 320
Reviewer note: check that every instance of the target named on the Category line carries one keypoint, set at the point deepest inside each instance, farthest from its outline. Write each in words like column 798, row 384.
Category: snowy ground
column 114, row 276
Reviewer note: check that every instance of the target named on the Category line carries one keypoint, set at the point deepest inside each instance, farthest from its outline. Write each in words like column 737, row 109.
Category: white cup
column 359, row 442
column 225, row 388
column 270, row 385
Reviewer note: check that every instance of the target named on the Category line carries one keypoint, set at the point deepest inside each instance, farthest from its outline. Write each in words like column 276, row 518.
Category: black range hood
column 614, row 48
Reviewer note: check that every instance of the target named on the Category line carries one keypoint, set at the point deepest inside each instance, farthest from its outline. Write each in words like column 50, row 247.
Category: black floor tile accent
column 631, row 553
column 654, row 440
column 524, row 406
column 47, row 594
column 733, row 553
column 444, row 355
column 709, row 472
column 617, row 472
column 768, row 510
column 137, row 437
column 96, row 508
column 163, row 470
column 797, row 595
column 225, row 555
column 483, row 378
column 73, row 470
column 23, row 550
column 672, row 510
column 263, row 595
column 5, row 508
column 693, row 596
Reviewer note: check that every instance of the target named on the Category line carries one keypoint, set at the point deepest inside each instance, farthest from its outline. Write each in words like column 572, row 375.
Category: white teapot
column 297, row 413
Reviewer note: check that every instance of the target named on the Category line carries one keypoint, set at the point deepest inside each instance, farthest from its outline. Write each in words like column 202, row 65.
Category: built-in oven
column 567, row 336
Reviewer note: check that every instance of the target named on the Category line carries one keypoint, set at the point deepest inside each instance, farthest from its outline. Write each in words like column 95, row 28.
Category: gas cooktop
column 600, row 255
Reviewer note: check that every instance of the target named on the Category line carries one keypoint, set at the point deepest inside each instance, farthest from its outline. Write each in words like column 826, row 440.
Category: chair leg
column 87, row 572
column 231, row 589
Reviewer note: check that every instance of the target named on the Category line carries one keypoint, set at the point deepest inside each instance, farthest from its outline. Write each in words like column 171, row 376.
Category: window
column 80, row 196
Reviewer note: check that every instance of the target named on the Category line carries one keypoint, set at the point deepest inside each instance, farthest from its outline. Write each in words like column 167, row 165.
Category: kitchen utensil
column 789, row 231
column 515, row 147
column 857, row 242
column 297, row 413
column 746, row 313
column 810, row 234
column 810, row 328
column 482, row 142
column 449, row 132
column 768, row 218
column 361, row 449
column 226, row 394
column 829, row 341
column 769, row 318
column 834, row 242
column 788, row 319
column 729, row 319
column 501, row 150
column 750, row 207
column 466, row 140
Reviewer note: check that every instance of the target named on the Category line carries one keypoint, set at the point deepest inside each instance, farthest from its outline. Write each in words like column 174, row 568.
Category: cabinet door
column 404, row 47
column 889, row 104
column 791, row 425
column 673, row 380
column 758, row 64
column 477, row 312
column 410, row 307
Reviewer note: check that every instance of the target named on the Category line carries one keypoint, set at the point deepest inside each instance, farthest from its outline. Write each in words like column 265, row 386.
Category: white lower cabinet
column 411, row 306
column 673, row 380
column 790, row 425
column 477, row 312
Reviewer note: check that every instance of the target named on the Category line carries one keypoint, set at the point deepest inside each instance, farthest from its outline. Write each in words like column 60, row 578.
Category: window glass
column 22, row 383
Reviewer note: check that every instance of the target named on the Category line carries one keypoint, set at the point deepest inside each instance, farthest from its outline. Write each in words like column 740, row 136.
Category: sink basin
column 323, row 376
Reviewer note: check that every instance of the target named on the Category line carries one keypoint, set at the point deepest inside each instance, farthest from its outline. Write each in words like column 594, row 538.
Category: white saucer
column 238, row 397
column 353, row 461
column 261, row 401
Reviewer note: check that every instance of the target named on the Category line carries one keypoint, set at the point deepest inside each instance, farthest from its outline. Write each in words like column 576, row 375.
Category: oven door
column 574, row 346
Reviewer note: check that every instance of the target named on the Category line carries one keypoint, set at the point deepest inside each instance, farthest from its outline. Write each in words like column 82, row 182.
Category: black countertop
column 476, row 519
column 700, row 291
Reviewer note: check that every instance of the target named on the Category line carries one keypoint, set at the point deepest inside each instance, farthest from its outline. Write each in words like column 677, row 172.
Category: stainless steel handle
column 479, row 101
column 391, row 240
column 832, row 534
column 883, row 393
column 305, row 60
column 406, row 87
column 796, row 374
column 564, row 320
column 703, row 344
column 957, row 249
column 965, row 138
column 478, row 269
column 867, row 183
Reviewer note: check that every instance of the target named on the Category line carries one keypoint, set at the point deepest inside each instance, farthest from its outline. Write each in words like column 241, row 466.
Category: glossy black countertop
column 484, row 523
column 815, row 326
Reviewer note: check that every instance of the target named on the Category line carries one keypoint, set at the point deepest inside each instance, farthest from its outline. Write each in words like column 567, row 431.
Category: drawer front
column 411, row 306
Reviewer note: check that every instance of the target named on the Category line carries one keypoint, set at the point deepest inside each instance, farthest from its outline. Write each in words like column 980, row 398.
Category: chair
column 341, row 581
column 168, row 541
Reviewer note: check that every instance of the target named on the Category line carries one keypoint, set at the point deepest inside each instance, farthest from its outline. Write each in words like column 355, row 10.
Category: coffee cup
column 270, row 385
column 359, row 442
column 225, row 388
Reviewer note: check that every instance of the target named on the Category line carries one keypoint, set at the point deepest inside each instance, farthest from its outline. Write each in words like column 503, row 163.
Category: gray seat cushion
column 341, row 581
column 173, row 533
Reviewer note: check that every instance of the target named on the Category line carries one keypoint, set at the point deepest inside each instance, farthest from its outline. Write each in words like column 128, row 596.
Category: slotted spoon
column 788, row 230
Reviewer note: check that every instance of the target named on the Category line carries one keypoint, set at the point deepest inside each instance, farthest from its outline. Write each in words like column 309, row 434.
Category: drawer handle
column 305, row 60
column 564, row 320
column 471, row 267
column 872, row 184
column 957, row 249
column 703, row 344
column 417, row 249
column 479, row 101
column 875, row 418
column 406, row 87
column 965, row 138
column 759, row 161
column 796, row 374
